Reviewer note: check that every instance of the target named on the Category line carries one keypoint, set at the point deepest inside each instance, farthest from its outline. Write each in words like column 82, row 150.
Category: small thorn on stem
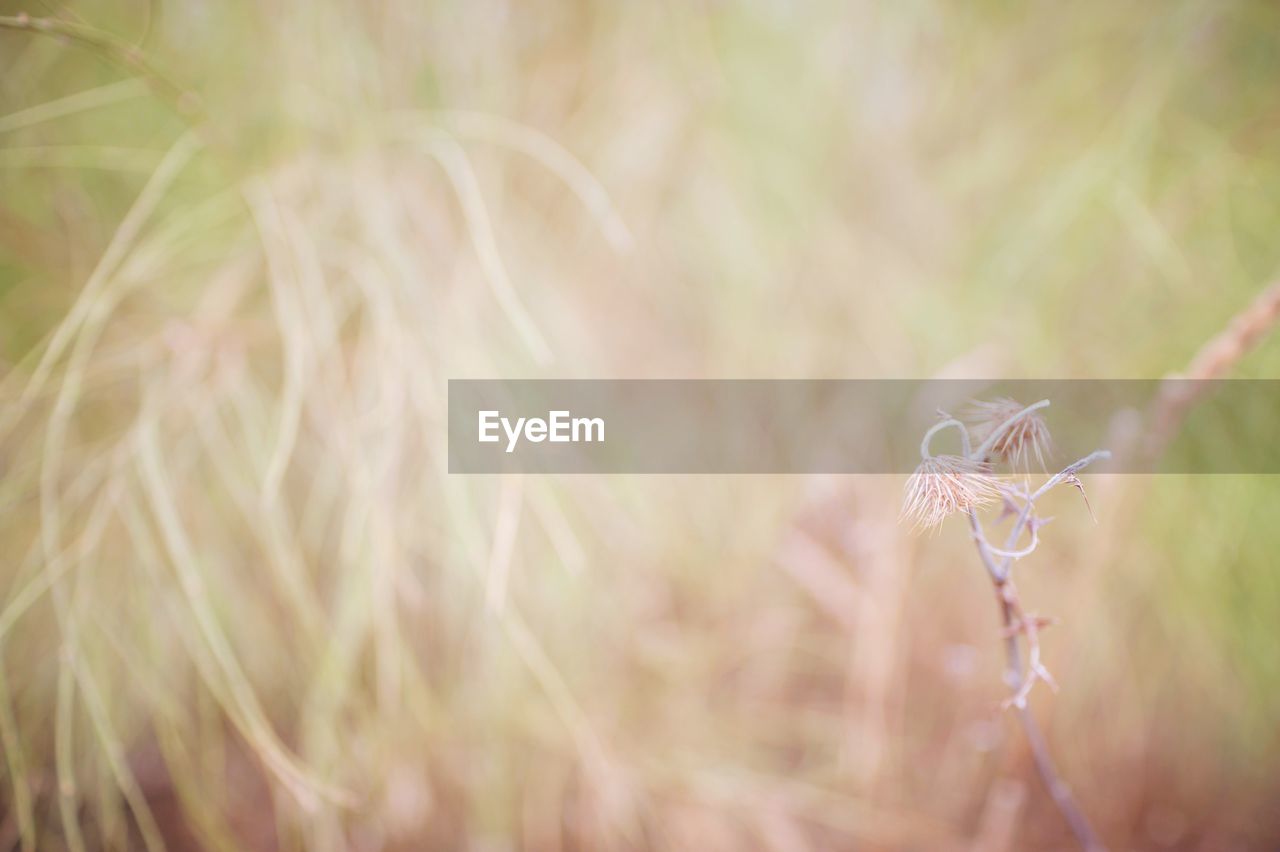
column 1031, row 623
column 1072, row 479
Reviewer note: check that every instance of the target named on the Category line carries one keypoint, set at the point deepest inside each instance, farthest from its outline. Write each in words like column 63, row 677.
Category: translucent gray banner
column 856, row 426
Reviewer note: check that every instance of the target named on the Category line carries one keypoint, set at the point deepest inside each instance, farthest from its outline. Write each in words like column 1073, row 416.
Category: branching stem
column 1022, row 677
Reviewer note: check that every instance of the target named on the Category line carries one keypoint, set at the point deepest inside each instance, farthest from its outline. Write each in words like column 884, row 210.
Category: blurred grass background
column 243, row 606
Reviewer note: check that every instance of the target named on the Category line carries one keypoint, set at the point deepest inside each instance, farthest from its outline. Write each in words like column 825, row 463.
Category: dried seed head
column 1018, row 442
column 942, row 485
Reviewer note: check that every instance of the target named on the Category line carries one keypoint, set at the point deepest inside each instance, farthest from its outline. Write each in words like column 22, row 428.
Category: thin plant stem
column 1025, row 515
column 950, row 422
column 1015, row 622
column 1045, row 767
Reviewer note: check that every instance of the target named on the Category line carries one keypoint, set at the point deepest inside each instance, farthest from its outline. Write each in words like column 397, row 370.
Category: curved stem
column 1018, row 554
column 1070, row 470
column 938, row 427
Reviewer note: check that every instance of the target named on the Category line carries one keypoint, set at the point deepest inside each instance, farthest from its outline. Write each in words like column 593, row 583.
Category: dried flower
column 945, row 484
column 1017, row 442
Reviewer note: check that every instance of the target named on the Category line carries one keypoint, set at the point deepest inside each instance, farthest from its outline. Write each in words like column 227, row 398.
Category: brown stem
column 1045, row 766
column 1012, row 618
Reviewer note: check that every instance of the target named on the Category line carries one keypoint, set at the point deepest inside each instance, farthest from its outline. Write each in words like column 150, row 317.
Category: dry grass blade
column 1214, row 360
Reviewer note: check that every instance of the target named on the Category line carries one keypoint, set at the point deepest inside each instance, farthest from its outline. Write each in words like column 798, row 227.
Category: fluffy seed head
column 1018, row 442
column 942, row 485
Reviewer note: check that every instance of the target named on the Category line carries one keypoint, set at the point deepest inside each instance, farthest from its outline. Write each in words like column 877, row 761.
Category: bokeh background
column 243, row 246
